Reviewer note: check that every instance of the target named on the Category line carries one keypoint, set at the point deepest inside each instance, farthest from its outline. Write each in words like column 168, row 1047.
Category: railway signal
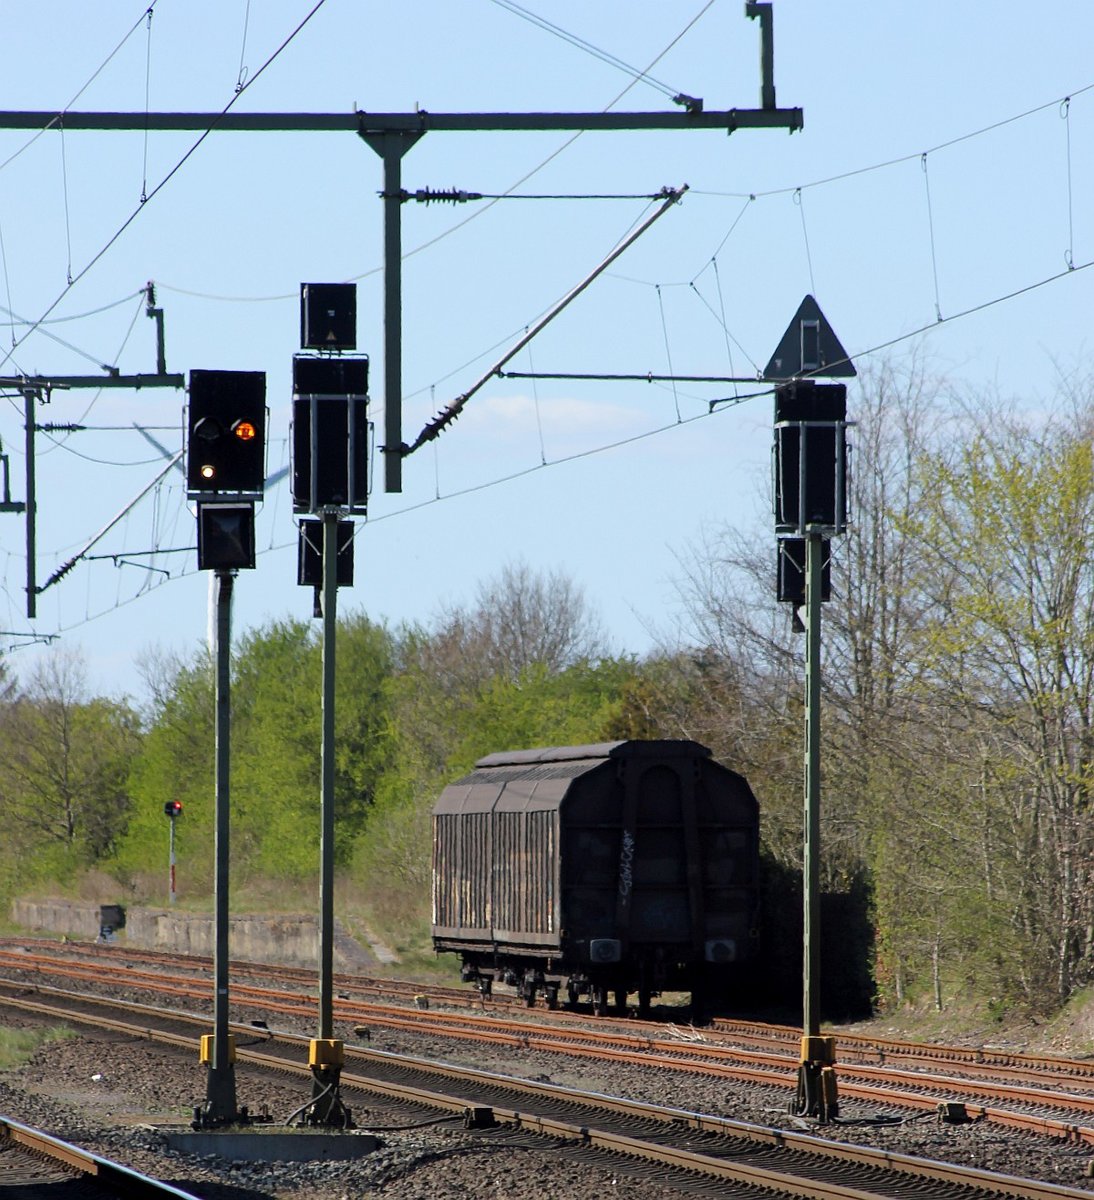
column 226, row 535
column 329, row 479
column 810, row 477
column 171, row 809
column 225, row 473
column 226, row 434
column 330, row 434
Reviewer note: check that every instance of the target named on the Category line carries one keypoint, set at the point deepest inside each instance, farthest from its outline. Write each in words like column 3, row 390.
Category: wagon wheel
column 620, row 1000
column 551, row 992
column 600, row 1001
column 645, row 1000
column 572, row 993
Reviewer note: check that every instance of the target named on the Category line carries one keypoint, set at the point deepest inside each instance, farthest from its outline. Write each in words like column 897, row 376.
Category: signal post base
column 326, row 1057
column 219, row 1108
column 818, row 1094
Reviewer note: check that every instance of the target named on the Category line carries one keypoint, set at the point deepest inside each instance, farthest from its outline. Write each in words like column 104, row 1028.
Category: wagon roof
column 541, row 778
column 653, row 748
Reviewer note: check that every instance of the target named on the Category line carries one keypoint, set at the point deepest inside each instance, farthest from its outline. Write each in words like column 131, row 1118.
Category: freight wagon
column 600, row 871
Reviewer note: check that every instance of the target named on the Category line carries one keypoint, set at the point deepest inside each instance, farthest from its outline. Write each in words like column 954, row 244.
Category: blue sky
column 986, row 193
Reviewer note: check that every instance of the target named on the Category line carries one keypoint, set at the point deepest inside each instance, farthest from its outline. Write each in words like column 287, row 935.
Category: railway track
column 736, row 1157
column 1038, row 1103
column 34, row 1164
column 978, row 1061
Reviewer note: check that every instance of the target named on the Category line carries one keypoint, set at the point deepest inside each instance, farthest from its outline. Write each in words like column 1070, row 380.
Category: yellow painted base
column 326, row 1052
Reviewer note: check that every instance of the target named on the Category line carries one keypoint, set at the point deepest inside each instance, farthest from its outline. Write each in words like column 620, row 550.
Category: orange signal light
column 245, row 431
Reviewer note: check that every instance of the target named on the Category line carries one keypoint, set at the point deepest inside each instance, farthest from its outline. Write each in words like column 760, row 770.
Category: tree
column 64, row 775
column 1007, row 527
column 175, row 762
column 279, row 738
column 884, row 762
column 522, row 618
column 520, row 668
column 276, row 743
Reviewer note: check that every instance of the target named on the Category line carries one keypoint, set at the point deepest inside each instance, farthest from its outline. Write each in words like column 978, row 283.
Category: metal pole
column 326, row 798
column 814, row 545
column 220, row 1083
column 29, row 396
column 391, row 146
column 393, row 316
column 326, row 1054
column 171, row 863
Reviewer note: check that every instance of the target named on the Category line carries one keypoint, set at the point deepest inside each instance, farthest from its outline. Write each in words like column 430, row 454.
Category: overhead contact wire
column 7, row 285
column 573, row 39
column 668, row 351
column 1065, row 112
column 147, row 98
column 805, row 237
column 472, row 216
column 725, row 326
column 451, row 412
column 241, row 77
column 165, row 180
column 930, row 229
column 64, row 190
column 87, row 83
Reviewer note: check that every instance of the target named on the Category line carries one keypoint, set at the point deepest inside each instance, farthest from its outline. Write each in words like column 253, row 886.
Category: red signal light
column 172, row 808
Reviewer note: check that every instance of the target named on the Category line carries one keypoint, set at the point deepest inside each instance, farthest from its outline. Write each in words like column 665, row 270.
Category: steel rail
column 115, row 1179
column 973, row 1056
column 975, row 1059
column 971, row 1182
column 766, row 1069
column 771, row 1069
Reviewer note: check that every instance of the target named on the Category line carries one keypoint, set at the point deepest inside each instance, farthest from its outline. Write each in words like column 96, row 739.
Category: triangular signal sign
column 809, row 347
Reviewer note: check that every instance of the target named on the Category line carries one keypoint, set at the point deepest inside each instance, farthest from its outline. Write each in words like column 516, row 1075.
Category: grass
column 17, row 1046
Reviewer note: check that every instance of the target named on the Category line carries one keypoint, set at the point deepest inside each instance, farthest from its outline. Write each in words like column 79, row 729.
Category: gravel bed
column 95, row 1090
column 102, row 1092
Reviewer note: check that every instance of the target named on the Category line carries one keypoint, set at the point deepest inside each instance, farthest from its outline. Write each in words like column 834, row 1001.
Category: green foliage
column 64, row 773
column 276, row 694
column 175, row 762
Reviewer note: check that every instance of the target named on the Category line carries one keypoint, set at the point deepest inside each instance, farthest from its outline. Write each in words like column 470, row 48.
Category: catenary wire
column 147, row 105
column 241, row 77
column 166, row 179
column 1065, row 113
column 53, row 337
column 472, row 216
column 903, row 158
column 573, row 39
column 713, row 407
column 91, row 312
column 83, row 88
column 930, row 230
column 726, row 403
column 976, row 308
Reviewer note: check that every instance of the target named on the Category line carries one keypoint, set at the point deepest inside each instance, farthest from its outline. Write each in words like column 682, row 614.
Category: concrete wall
column 57, row 916
column 293, row 940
